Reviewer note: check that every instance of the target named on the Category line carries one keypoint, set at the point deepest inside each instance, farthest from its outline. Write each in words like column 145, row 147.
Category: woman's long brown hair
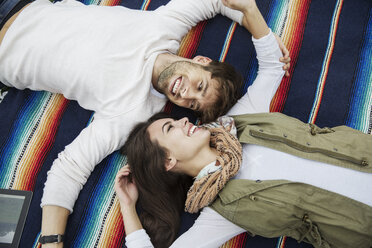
column 162, row 194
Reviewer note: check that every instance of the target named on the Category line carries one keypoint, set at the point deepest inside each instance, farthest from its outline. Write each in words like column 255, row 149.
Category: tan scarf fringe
column 204, row 190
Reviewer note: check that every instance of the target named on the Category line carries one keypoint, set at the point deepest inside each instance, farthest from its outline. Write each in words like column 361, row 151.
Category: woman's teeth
column 192, row 130
column 176, row 86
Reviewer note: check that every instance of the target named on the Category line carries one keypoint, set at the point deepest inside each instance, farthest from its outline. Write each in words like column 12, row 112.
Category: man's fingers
column 286, row 66
column 285, row 59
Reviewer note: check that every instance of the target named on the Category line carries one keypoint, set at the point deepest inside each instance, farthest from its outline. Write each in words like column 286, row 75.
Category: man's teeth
column 176, row 86
column 192, row 130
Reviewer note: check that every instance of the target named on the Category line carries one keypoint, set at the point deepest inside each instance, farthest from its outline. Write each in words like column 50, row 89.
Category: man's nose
column 184, row 92
column 187, row 93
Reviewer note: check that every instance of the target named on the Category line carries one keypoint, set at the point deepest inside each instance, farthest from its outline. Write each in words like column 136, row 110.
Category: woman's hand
column 127, row 193
column 126, row 189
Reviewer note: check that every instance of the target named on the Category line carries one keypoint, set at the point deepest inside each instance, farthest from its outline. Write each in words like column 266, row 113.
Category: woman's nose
column 184, row 121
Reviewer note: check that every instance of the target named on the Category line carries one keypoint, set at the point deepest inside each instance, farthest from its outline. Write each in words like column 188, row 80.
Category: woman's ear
column 202, row 60
column 170, row 163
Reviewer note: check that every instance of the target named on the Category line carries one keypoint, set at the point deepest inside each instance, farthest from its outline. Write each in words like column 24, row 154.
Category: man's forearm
column 254, row 22
column 54, row 222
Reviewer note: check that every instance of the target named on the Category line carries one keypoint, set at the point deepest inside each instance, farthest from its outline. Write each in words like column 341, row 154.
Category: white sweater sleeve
column 209, row 230
column 74, row 165
column 181, row 15
column 269, row 75
column 194, row 11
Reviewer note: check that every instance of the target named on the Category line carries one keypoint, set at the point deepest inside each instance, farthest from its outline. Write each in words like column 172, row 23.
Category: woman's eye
column 169, row 127
column 200, row 86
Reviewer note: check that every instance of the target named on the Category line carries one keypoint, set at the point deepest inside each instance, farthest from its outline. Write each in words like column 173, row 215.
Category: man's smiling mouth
column 176, row 86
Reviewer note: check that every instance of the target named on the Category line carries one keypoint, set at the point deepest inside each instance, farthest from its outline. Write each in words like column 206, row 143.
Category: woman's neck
column 194, row 166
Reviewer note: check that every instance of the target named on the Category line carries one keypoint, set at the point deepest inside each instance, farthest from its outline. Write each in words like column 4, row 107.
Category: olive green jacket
column 274, row 208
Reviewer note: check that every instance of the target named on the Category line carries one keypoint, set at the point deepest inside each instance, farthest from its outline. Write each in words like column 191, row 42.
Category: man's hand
column 241, row 5
column 54, row 222
column 125, row 188
column 285, row 59
column 255, row 23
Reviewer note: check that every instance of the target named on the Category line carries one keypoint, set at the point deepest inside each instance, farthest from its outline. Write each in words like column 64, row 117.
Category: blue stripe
column 359, row 112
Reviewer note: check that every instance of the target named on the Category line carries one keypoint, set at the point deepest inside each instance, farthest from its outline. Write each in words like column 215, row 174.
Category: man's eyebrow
column 205, row 89
column 162, row 128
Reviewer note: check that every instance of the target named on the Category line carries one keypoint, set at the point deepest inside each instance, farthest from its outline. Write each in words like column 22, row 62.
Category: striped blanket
column 330, row 84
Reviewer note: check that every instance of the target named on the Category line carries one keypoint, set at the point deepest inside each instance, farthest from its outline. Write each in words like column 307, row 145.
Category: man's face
column 188, row 85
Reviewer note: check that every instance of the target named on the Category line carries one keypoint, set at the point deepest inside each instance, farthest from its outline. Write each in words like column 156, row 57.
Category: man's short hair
column 228, row 91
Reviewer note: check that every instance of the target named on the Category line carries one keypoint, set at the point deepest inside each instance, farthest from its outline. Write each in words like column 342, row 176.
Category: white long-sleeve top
column 211, row 230
column 103, row 58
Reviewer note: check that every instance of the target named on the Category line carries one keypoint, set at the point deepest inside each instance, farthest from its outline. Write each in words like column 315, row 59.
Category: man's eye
column 192, row 105
column 200, row 87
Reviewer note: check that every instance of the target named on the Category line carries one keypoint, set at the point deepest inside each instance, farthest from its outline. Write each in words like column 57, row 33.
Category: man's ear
column 170, row 163
column 202, row 60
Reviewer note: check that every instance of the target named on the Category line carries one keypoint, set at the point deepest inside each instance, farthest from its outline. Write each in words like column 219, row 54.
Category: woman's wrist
column 128, row 209
column 130, row 218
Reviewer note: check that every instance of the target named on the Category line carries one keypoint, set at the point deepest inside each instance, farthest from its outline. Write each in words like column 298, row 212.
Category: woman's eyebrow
column 162, row 128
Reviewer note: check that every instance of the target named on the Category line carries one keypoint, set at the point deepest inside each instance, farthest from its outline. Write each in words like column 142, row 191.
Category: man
column 100, row 57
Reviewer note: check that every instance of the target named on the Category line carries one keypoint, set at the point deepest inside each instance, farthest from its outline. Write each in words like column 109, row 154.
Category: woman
column 292, row 186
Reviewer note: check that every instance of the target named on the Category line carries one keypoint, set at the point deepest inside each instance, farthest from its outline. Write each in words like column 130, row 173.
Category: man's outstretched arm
column 70, row 172
column 269, row 49
column 54, row 222
column 253, row 20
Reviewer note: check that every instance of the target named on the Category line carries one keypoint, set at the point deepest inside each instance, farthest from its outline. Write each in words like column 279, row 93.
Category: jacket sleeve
column 269, row 75
column 74, row 165
column 209, row 230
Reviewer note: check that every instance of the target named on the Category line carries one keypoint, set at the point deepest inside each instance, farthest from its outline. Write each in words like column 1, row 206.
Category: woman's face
column 182, row 139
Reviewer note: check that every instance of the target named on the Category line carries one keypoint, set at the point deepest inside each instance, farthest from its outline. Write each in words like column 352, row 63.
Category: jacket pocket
column 258, row 198
column 307, row 148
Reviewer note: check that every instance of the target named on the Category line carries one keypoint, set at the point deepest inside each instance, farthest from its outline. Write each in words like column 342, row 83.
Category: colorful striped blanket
column 330, row 84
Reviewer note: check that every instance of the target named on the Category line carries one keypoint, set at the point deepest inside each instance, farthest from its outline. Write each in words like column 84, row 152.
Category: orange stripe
column 292, row 37
column 40, row 143
column 113, row 228
column 328, row 59
column 228, row 42
column 190, row 42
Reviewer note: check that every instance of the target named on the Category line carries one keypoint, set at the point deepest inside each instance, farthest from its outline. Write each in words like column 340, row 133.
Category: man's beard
column 168, row 73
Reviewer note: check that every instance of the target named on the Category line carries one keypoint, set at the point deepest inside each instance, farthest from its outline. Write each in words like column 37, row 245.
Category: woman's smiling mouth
column 192, row 130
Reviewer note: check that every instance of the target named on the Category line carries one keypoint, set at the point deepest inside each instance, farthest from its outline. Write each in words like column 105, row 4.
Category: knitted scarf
column 205, row 190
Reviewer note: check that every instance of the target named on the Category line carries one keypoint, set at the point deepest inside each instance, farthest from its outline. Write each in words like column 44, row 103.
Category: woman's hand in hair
column 126, row 189
column 127, row 193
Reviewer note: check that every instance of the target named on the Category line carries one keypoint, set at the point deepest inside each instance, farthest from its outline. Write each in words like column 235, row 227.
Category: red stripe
column 28, row 179
column 277, row 104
